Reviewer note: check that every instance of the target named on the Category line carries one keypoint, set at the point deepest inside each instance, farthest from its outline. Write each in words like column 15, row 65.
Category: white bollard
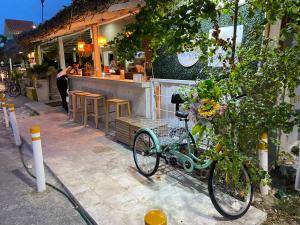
column 2, row 103
column 38, row 158
column 14, row 124
column 263, row 160
column 297, row 182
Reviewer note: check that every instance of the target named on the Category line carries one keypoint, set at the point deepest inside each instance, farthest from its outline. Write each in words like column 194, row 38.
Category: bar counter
column 112, row 87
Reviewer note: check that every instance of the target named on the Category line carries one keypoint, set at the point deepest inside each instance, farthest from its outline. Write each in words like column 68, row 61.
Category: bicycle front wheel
column 231, row 196
column 145, row 154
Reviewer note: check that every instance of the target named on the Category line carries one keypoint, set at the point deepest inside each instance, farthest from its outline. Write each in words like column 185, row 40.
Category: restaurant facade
column 84, row 38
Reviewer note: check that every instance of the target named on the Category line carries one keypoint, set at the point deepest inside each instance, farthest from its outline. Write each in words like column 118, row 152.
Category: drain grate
column 54, row 104
column 100, row 149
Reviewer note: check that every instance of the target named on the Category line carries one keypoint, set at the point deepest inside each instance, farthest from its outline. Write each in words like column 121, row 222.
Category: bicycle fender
column 152, row 134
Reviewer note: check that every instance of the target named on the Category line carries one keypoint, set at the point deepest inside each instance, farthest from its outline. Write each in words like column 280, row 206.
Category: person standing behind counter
column 62, row 82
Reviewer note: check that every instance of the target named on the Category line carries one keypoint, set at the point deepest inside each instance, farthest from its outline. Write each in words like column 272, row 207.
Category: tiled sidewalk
column 101, row 175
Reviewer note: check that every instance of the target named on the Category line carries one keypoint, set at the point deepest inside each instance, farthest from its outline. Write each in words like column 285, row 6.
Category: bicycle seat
column 176, row 99
column 181, row 114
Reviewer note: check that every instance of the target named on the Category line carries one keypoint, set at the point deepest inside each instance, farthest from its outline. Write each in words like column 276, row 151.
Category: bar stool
column 117, row 103
column 72, row 103
column 81, row 96
column 94, row 98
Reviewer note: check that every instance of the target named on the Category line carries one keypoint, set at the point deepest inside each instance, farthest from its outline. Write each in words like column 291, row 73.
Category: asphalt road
column 19, row 201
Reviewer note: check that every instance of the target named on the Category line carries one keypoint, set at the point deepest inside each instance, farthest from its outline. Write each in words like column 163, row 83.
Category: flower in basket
column 209, row 108
column 202, row 101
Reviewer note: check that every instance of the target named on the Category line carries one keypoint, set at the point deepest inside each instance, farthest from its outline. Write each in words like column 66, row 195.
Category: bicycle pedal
column 166, row 161
column 173, row 161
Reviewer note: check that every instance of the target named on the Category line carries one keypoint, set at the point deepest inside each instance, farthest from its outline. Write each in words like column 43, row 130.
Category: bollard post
column 297, row 182
column 263, row 160
column 14, row 124
column 3, row 105
column 38, row 158
column 155, row 217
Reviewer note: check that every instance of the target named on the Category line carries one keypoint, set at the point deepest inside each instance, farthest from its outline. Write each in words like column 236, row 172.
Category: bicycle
column 231, row 201
column 12, row 87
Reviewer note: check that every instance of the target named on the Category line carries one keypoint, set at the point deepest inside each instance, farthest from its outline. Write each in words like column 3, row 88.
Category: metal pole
column 263, row 160
column 3, row 104
column 155, row 217
column 38, row 158
column 10, row 64
column 42, row 1
column 297, row 183
column 14, row 124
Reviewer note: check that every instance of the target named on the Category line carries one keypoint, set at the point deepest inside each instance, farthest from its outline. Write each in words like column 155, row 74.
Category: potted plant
column 40, row 81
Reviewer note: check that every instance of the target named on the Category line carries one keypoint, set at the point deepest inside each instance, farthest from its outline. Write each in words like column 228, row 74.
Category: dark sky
column 29, row 10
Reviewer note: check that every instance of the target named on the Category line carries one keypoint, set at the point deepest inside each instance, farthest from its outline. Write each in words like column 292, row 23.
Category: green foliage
column 208, row 89
column 16, row 74
column 39, row 71
column 64, row 17
column 3, row 40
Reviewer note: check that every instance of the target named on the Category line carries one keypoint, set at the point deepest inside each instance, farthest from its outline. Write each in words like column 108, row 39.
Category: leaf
column 198, row 129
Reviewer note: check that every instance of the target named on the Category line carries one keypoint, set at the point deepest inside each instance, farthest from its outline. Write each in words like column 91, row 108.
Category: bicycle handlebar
column 240, row 96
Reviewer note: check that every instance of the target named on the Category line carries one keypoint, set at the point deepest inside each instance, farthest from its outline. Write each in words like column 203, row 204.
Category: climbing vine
column 266, row 70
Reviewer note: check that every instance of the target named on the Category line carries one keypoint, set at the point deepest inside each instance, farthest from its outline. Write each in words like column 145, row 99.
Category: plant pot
column 31, row 93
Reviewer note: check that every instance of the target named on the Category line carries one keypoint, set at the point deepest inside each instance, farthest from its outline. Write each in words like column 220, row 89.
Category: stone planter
column 31, row 93
column 42, row 89
column 24, row 82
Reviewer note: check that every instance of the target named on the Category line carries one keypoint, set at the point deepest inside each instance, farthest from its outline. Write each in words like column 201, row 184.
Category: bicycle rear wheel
column 14, row 91
column 231, row 197
column 145, row 154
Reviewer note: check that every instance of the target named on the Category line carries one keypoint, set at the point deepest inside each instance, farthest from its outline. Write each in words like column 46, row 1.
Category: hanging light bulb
column 80, row 46
column 102, row 41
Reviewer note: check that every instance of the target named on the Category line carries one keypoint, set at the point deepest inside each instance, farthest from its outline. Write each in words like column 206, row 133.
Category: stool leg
column 128, row 109
column 74, row 107
column 70, row 105
column 117, row 110
column 106, row 117
column 82, row 109
column 104, row 108
column 96, row 112
column 85, row 112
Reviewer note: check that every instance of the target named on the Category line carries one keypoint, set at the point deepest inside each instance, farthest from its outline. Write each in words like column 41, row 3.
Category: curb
column 61, row 183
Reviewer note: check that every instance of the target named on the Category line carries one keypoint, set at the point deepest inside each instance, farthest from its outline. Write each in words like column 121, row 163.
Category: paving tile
column 101, row 174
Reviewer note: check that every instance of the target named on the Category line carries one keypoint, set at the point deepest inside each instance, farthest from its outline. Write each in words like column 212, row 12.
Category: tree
column 3, row 40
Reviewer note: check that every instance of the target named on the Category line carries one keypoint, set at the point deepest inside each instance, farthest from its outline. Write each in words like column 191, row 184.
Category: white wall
column 292, row 139
column 110, row 30
column 137, row 93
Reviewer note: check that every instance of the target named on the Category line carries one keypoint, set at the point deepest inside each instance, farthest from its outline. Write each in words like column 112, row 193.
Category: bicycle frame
column 189, row 161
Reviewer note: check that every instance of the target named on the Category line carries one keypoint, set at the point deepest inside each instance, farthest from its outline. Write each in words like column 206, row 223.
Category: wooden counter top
column 114, row 81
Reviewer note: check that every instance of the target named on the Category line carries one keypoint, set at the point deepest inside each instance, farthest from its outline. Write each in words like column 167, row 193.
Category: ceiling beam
column 84, row 23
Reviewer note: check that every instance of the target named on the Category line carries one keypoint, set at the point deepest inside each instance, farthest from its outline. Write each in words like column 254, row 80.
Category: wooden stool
column 81, row 96
column 72, row 103
column 118, row 103
column 94, row 98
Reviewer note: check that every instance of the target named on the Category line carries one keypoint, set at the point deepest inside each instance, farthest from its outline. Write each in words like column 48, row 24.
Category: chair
column 117, row 103
column 71, row 104
column 81, row 96
column 94, row 98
